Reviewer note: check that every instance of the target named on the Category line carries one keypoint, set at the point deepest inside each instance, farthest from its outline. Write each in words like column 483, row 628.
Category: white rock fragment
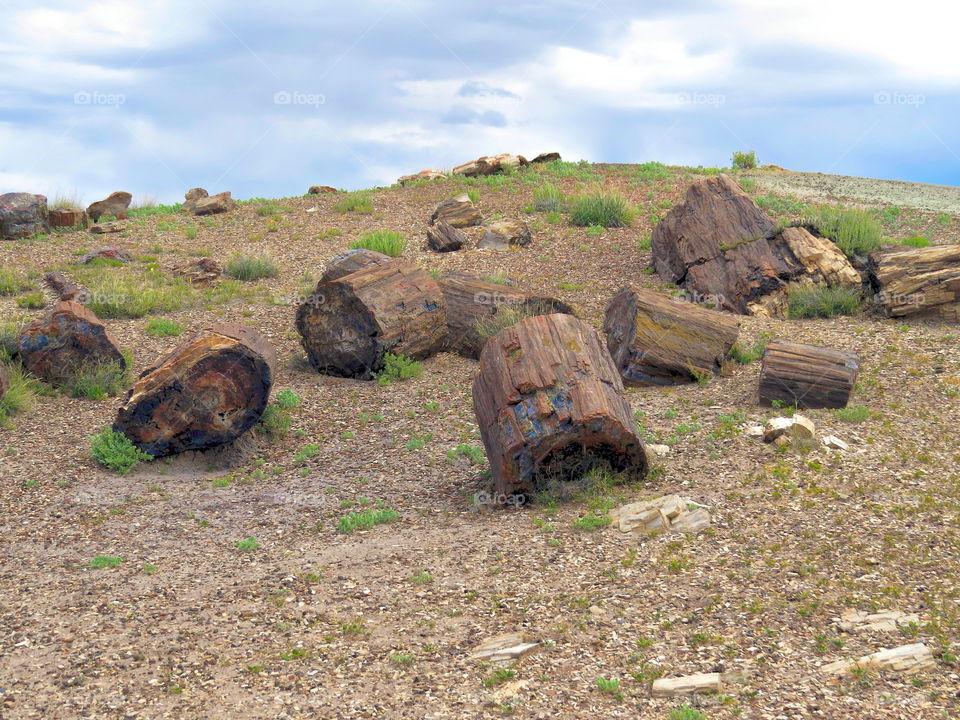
column 670, row 512
column 659, row 450
column 857, row 621
column 702, row 683
column 906, row 659
column 504, row 648
column 754, row 431
column 797, row 426
column 834, row 443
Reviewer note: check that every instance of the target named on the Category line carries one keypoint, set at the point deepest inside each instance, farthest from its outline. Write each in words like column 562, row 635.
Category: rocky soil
column 313, row 623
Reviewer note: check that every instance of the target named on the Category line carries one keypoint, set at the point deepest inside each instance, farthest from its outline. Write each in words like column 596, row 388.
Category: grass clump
column 421, row 577
column 116, row 452
column 268, row 208
column 248, row 268
column 382, row 241
column 855, row 232
column 822, row 302
column 32, row 301
column 96, row 381
column 917, row 242
column 161, row 327
column 606, row 209
column 105, row 561
column 277, row 417
column 123, row 295
column 11, row 282
column 359, row 202
column 474, row 454
column 150, row 209
column 548, row 198
column 686, row 712
column 591, row 523
column 247, row 545
column 366, row 520
column 506, row 316
column 744, row 160
column 397, row 368
column 19, row 396
column 610, row 686
column 746, row 355
column 853, row 414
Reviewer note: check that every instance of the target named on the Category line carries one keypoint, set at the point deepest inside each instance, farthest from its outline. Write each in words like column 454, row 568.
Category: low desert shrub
column 248, row 268
column 606, row 209
column 116, row 452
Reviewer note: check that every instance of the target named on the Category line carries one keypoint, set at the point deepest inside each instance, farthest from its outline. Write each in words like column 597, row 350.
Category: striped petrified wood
column 350, row 262
column 807, row 376
column 348, row 325
column 657, row 339
column 206, row 392
column 551, row 406
column 910, row 281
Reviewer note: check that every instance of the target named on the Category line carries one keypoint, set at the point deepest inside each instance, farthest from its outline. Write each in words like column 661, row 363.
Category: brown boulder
column 458, row 211
column 490, row 165
column 219, row 203
column 204, row 393
column 201, row 272
column 191, row 197
column 67, row 217
column 546, row 157
column 65, row 288
column 505, row 235
column 67, row 338
column 23, row 215
column 113, row 206
column 317, row 189
column 105, row 228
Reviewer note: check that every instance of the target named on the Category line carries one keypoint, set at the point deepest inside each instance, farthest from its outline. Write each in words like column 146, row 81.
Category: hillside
column 380, row 623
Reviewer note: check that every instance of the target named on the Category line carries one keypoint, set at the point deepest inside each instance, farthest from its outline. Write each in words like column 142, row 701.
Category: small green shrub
column 548, row 198
column 745, row 355
column 275, row 422
column 601, row 208
column 19, row 396
column 855, row 232
column 498, row 278
column 287, row 399
column 474, row 454
column 268, row 208
column 248, row 268
column 382, row 241
column 96, row 381
column 686, row 712
column 248, row 545
column 105, row 561
column 474, row 195
column 591, row 523
column 161, row 327
column 852, row 414
column 366, row 520
column 421, row 577
column 505, row 316
column 397, row 368
column 918, row 242
column 744, row 160
column 359, row 202
column 651, row 171
column 822, row 302
column 609, row 686
column 116, row 452
column 32, row 301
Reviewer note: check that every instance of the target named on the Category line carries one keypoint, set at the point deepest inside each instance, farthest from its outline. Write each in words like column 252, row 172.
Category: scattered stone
column 782, row 441
column 422, row 175
column 67, row 338
column 66, row 289
column 318, row 189
column 105, row 228
column 201, row 272
column 546, row 157
column 857, row 621
column 688, row 684
column 907, row 659
column 670, row 512
column 490, row 165
column 834, row 443
column 506, row 235
column 67, row 217
column 443, row 237
column 509, row 690
column 458, row 211
column 659, row 450
column 23, row 215
column 110, row 252
column 219, row 203
column 504, row 649
column 754, row 431
column 113, row 206
column 797, row 426
column 192, row 196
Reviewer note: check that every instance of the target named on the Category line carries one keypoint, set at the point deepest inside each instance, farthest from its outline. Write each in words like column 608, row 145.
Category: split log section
column 807, row 376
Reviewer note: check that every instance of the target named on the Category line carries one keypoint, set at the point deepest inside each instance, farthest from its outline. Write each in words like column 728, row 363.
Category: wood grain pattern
column 807, row 376
column 911, row 281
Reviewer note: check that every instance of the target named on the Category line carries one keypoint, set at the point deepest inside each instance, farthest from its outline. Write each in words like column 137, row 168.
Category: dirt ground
column 319, row 624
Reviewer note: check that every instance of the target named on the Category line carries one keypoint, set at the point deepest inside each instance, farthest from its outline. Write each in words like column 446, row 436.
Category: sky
column 265, row 99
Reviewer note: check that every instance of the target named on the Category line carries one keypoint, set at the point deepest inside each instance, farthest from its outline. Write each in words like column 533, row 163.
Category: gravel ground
column 317, row 624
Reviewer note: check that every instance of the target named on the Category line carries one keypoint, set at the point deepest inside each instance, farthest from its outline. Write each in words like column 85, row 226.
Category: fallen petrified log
column 347, row 325
column 807, row 376
column 204, row 393
column 906, row 659
column 65, row 288
column 350, row 262
column 910, row 281
column 458, row 211
column 659, row 339
column 443, row 237
column 476, row 308
column 67, row 217
column 67, row 339
column 490, row 165
column 115, row 206
column 551, row 406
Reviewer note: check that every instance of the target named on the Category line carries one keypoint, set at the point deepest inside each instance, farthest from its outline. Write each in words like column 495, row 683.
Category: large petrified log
column 67, row 217
column 807, row 376
column 473, row 306
column 458, row 211
column 490, row 165
column 66, row 340
column 911, row 281
column 115, row 205
column 551, row 406
column 444, row 237
column 351, row 261
column 659, row 339
column 721, row 247
column 204, row 393
column 65, row 288
column 347, row 325
column 23, row 215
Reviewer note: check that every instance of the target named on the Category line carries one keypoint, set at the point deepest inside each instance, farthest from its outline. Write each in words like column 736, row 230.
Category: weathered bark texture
column 490, row 165
column 506, row 235
column 472, row 302
column 201, row 272
column 807, row 376
column 722, row 248
column 546, row 157
column 68, row 338
column 347, row 325
column 67, row 217
column 458, row 211
column 659, row 339
column 911, row 281
column 443, row 237
column 550, row 406
column 351, row 261
column 206, row 392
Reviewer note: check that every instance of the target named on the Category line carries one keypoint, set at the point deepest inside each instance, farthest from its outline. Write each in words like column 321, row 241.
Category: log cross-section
column 807, row 376
column 551, row 406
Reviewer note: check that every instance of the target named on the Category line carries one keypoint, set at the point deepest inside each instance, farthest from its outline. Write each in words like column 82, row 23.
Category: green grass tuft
column 548, row 198
column 105, row 561
column 823, row 302
column 19, row 396
column 366, row 520
column 359, row 202
column 382, row 241
column 96, row 381
column 116, row 452
column 855, row 232
column 161, row 327
column 248, row 268
column 601, row 208
column 397, row 368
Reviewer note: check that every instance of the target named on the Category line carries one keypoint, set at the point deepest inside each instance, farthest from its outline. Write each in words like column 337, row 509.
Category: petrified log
column 807, row 376
column 906, row 659
column 490, row 164
column 505, row 235
column 443, row 237
column 659, row 339
column 551, row 406
column 351, row 261
column 910, row 281
column 68, row 338
column 472, row 302
column 65, row 288
column 192, row 196
column 206, row 392
column 546, row 157
column 347, row 325
column 459, row 211
column 213, row 204
column 688, row 684
column 113, row 206
column 201, row 272
column 23, row 215
column 67, row 217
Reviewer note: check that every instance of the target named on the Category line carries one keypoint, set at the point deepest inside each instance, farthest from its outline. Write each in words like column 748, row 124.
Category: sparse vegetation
column 823, row 302
column 508, row 315
column 96, row 381
column 607, row 209
column 548, row 197
column 116, row 452
column 248, row 268
column 397, row 368
column 382, row 241
column 855, row 232
column 742, row 160
column 366, row 520
column 19, row 396
column 162, row 327
column 359, row 202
